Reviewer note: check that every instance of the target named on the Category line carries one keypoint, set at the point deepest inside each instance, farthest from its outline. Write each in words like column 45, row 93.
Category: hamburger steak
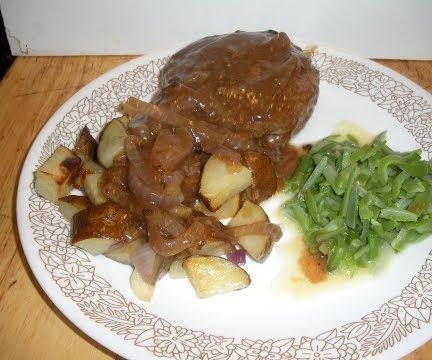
column 255, row 83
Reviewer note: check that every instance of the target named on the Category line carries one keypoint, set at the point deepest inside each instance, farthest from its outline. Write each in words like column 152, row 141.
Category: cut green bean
column 398, row 214
column 316, row 173
column 351, row 200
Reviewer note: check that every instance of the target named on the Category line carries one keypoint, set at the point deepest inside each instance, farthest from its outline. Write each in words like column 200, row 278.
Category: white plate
column 386, row 316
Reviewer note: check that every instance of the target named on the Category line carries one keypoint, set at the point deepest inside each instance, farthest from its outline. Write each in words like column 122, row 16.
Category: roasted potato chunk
column 111, row 142
column 211, row 275
column 264, row 180
column 248, row 214
column 54, row 178
column 93, row 190
column 87, row 168
column 98, row 227
column 220, row 181
column 85, row 145
column 257, row 246
column 226, row 211
column 72, row 204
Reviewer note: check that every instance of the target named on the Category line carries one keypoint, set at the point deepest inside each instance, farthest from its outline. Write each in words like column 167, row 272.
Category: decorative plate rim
column 404, row 100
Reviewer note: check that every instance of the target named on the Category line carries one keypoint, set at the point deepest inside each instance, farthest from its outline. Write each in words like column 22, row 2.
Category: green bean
column 304, row 168
column 334, row 258
column 316, row 173
column 311, row 205
column 351, row 201
column 398, row 182
column 374, row 244
column 417, row 169
column 383, row 165
column 414, row 186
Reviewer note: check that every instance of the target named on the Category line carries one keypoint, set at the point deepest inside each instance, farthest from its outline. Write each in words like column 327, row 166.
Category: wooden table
column 30, row 326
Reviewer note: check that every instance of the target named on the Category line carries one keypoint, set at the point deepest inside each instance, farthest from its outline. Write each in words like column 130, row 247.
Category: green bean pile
column 350, row 201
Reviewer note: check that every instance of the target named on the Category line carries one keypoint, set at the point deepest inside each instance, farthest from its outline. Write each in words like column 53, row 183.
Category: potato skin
column 264, row 180
column 85, row 146
column 107, row 220
column 72, row 204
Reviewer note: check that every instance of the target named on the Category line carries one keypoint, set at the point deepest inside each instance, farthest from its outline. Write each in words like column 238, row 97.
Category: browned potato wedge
column 248, row 214
column 98, row 227
column 142, row 290
column 87, row 167
column 214, row 248
column 220, row 181
column 54, row 178
column 226, row 211
column 111, row 142
column 72, row 204
column 211, row 275
column 123, row 253
column 264, row 180
column 256, row 246
column 85, row 146
column 93, row 190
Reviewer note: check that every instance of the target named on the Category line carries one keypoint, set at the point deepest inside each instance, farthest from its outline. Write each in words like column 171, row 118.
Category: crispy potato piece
column 123, row 253
column 93, row 190
column 142, row 290
column 85, row 146
column 98, row 227
column 72, row 204
column 226, row 211
column 87, row 168
column 264, row 180
column 54, row 178
column 220, row 181
column 257, row 246
column 111, row 142
column 248, row 214
column 211, row 275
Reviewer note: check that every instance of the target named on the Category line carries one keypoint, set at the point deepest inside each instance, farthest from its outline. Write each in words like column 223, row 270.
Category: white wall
column 369, row 28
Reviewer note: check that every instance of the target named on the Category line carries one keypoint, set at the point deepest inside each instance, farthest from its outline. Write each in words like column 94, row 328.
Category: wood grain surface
column 30, row 326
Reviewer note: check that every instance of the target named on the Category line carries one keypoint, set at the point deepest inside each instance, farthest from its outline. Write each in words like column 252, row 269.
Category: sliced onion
column 164, row 244
column 143, row 259
column 139, row 160
column 224, row 153
column 166, row 222
column 173, row 177
column 171, row 148
column 238, row 257
column 148, row 194
column 134, row 106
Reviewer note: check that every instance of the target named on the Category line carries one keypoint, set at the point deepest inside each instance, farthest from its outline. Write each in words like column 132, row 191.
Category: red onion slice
column 143, row 259
column 238, row 257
